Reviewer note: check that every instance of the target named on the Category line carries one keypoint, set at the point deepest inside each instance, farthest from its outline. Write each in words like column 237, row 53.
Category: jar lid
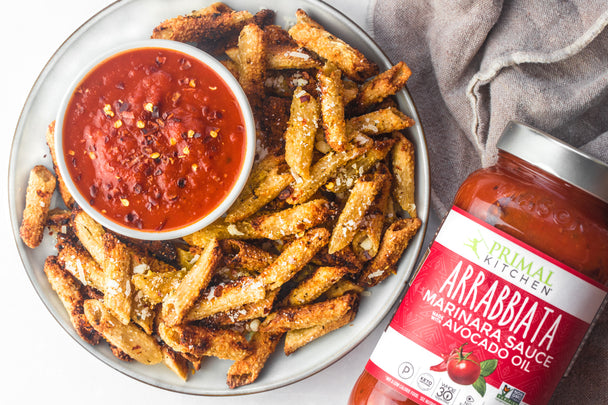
column 556, row 157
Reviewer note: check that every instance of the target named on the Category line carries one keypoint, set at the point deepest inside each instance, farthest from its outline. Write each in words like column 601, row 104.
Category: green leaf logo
column 480, row 386
column 488, row 367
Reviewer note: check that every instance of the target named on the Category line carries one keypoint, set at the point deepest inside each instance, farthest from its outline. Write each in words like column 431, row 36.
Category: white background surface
column 41, row 363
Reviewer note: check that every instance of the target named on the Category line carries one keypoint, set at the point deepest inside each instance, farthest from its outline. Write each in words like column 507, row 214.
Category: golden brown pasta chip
column 70, row 292
column 312, row 288
column 67, row 198
column 360, row 199
column 403, row 168
column 313, row 36
column 300, row 134
column 177, row 304
column 40, row 188
column 224, row 297
column 128, row 338
column 247, row 370
column 332, row 106
column 294, row 257
column 118, row 291
column 394, row 242
column 383, row 85
column 309, row 315
column 296, row 338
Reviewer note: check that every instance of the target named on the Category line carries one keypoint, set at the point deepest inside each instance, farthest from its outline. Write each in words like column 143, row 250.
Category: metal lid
column 556, row 157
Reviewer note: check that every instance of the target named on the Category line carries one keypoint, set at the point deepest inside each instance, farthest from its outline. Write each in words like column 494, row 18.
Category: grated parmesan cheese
column 254, row 325
column 194, row 259
column 300, row 93
column 141, row 268
column 366, row 244
column 112, row 287
column 300, row 82
column 375, row 274
column 233, row 230
column 323, row 147
column 298, row 54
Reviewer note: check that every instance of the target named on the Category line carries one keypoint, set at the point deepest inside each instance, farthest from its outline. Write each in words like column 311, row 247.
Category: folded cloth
column 478, row 64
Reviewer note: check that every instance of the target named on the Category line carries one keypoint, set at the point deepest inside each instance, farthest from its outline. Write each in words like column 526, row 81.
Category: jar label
column 487, row 320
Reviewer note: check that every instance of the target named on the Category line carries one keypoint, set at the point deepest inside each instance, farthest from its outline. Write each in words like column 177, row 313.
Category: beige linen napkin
column 478, row 64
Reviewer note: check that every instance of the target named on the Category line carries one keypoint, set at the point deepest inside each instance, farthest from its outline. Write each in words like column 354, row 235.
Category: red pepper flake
column 184, row 64
column 155, row 112
column 123, row 106
column 161, row 225
column 283, row 195
column 107, row 110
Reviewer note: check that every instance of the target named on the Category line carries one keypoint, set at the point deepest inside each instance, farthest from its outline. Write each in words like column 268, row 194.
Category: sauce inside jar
column 542, row 211
column 154, row 138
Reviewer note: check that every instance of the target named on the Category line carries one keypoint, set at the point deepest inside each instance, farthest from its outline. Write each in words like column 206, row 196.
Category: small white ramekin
column 250, row 136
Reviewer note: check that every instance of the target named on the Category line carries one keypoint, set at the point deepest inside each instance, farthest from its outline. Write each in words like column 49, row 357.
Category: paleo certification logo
column 406, row 370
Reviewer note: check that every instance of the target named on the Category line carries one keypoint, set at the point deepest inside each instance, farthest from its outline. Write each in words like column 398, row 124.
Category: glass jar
column 509, row 288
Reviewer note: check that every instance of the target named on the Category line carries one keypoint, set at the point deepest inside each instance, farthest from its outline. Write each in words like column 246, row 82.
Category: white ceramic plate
column 130, row 20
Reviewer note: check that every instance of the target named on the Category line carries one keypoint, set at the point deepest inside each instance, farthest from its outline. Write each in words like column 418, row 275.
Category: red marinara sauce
column 561, row 210
column 154, row 138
